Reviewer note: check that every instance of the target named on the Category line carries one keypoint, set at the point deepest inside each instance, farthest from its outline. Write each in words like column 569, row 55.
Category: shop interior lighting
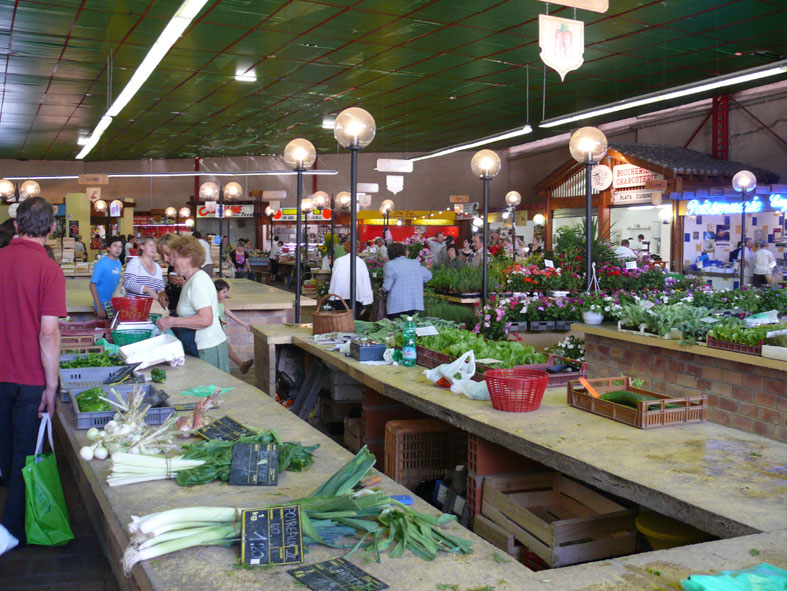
column 144, row 175
column 774, row 69
column 171, row 33
column 483, row 141
column 329, row 121
column 245, row 76
column 539, row 219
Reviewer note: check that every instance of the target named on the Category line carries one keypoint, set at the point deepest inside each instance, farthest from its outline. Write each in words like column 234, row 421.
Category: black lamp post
column 588, row 145
column 307, row 206
column 513, row 198
column 743, row 182
column 485, row 165
column 385, row 208
column 299, row 155
column 354, row 130
column 209, row 191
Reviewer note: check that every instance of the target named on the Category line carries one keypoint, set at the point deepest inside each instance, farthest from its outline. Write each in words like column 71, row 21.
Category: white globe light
column 117, row 203
column 485, row 163
column 478, row 222
column 307, row 205
column 354, row 128
column 269, row 211
column 506, row 215
column 300, row 154
column 386, row 206
column 539, row 219
column 189, row 223
column 665, row 214
column 6, row 188
column 184, row 212
column 232, row 190
column 588, row 145
column 228, row 212
column 170, row 212
column 321, row 199
column 744, row 181
column 343, row 200
column 209, row 191
column 29, row 189
column 513, row 198
column 100, row 205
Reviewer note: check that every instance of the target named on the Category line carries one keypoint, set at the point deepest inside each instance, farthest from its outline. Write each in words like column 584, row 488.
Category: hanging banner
column 594, row 5
column 562, row 43
column 394, row 183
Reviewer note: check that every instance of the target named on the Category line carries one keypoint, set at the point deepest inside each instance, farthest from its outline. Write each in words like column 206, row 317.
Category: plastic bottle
column 408, row 343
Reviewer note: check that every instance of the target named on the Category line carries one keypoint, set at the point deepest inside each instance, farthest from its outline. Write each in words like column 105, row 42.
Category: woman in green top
column 198, row 306
column 223, row 293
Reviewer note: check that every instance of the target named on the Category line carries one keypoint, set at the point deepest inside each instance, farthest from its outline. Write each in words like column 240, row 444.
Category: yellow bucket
column 663, row 532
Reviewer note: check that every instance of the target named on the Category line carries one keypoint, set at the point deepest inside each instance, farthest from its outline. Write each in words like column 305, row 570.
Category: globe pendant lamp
column 485, row 165
column 354, row 129
column 513, row 199
column 299, row 155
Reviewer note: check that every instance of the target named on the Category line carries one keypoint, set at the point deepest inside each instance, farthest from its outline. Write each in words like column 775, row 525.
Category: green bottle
column 408, row 343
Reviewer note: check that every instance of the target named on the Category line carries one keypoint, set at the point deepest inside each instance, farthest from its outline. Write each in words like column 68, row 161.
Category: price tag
column 224, row 429
column 631, row 264
column 336, row 575
column 549, row 264
column 272, row 536
column 255, row 464
column 426, row 331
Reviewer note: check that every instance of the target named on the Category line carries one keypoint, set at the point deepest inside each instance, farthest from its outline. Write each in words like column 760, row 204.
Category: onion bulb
column 92, row 434
column 101, row 453
column 86, row 453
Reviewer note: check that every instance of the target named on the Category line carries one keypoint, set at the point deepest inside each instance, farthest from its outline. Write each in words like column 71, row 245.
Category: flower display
column 418, row 248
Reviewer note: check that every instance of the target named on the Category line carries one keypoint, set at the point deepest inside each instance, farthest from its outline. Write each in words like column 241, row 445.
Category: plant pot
column 562, row 324
column 542, row 325
column 592, row 317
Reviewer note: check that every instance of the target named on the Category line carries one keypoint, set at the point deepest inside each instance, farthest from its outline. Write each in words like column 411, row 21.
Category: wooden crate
column 648, row 414
column 352, row 434
column 560, row 520
column 497, row 536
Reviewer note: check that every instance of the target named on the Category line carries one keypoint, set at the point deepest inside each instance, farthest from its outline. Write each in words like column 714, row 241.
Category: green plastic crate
column 125, row 337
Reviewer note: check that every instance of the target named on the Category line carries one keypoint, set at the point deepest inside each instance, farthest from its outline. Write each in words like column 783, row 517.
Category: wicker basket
column 333, row 320
column 516, row 390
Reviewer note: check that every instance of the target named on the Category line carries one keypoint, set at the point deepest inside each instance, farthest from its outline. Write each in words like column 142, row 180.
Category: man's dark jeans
column 18, row 431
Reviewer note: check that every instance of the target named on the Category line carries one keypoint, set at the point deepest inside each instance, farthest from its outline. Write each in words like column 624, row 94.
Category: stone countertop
column 245, row 295
column 216, row 567
column 611, row 332
column 721, row 480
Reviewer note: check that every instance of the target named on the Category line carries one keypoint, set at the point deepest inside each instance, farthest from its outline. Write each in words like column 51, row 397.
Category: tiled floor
column 77, row 566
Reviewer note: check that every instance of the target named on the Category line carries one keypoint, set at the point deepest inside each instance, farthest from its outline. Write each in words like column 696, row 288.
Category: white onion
column 92, row 434
column 101, row 453
column 86, row 453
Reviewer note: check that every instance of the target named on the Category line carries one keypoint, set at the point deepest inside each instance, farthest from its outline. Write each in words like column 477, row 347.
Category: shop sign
column 141, row 220
column 629, row 175
column 459, row 199
column 707, row 207
column 268, row 195
column 93, row 179
column 634, row 197
column 364, row 200
column 600, row 177
column 368, row 187
column 394, row 165
column 594, row 5
column 238, row 211
column 562, row 43
column 291, row 215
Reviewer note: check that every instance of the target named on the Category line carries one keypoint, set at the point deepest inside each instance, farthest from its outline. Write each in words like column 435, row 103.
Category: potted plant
column 592, row 306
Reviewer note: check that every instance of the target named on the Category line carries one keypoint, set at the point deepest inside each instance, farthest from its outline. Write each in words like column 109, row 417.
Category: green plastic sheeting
column 763, row 577
column 204, row 391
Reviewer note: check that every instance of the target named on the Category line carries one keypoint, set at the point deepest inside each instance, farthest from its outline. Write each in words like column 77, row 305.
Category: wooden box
column 352, row 434
column 560, row 520
column 662, row 412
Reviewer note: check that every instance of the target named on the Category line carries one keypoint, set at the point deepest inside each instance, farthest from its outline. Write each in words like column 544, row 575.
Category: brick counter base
column 742, row 396
column 241, row 339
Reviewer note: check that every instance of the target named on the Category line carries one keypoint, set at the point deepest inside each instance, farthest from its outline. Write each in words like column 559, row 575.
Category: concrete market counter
column 723, row 481
column 253, row 302
column 747, row 392
column 110, row 509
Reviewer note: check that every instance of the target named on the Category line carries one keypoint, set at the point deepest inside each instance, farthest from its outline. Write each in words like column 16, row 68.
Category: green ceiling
column 432, row 72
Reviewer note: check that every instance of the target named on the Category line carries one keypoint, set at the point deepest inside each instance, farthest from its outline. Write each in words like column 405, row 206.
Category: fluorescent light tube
column 675, row 92
column 487, row 140
column 243, row 76
column 174, row 29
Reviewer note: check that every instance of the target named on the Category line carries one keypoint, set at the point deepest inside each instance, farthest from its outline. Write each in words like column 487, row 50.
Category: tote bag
column 46, row 515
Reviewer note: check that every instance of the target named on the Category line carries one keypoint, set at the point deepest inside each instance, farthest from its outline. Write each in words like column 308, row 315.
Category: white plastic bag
column 471, row 389
column 445, row 374
column 7, row 540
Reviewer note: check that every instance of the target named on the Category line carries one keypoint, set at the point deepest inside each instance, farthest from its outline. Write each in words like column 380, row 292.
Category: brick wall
column 241, row 339
column 742, row 396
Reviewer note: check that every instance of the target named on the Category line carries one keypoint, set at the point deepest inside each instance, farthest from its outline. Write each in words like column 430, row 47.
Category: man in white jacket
column 340, row 282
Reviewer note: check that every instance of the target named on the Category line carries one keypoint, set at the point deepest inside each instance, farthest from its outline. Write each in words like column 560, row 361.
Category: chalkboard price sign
column 255, row 464
column 272, row 536
column 336, row 575
column 224, row 429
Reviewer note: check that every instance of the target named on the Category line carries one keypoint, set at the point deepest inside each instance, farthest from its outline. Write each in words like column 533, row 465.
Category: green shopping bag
column 46, row 515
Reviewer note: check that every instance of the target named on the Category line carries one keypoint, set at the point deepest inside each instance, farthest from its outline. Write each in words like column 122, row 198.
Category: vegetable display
column 385, row 331
column 458, row 342
column 329, row 514
column 733, row 330
column 90, row 401
column 92, row 360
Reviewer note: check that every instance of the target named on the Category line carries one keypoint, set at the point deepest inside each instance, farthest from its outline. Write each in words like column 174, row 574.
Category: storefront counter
column 747, row 392
column 694, row 473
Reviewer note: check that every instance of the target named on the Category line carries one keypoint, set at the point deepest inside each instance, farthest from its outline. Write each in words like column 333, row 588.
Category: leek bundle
column 329, row 514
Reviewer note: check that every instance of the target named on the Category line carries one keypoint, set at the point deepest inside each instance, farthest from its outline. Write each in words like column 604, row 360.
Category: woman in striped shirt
column 143, row 275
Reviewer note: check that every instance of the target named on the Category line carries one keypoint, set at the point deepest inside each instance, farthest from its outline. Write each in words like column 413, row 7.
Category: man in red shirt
column 32, row 298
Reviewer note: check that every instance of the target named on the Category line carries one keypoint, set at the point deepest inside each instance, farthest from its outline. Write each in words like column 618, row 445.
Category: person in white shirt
column 436, row 245
column 273, row 257
column 378, row 249
column 748, row 261
column 623, row 251
column 208, row 266
column 764, row 264
column 340, row 282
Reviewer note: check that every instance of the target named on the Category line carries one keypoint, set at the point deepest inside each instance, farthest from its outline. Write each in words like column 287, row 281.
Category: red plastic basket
column 132, row 309
column 516, row 390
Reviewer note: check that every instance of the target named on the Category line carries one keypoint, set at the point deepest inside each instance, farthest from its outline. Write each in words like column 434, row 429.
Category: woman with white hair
column 764, row 264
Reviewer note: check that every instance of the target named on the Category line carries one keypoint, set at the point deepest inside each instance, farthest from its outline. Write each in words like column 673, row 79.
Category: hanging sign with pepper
column 562, row 43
